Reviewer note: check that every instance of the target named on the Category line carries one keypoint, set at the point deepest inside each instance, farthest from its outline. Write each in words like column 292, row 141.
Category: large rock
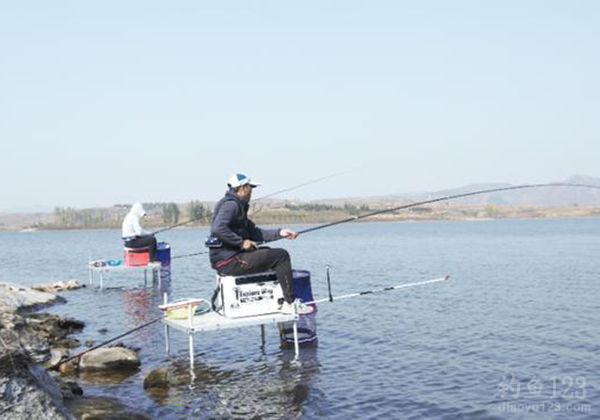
column 109, row 359
column 37, row 332
column 27, row 391
column 14, row 297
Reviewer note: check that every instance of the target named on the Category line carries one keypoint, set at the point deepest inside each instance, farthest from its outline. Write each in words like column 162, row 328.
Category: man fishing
column 133, row 234
column 234, row 240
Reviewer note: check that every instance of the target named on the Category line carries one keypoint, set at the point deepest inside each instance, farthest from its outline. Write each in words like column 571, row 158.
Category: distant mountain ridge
column 573, row 201
column 544, row 196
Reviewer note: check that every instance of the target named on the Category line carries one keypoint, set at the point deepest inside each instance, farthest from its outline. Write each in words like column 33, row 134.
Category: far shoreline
column 305, row 223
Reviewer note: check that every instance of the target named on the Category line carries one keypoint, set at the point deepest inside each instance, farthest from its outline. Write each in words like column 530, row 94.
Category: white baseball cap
column 239, row 179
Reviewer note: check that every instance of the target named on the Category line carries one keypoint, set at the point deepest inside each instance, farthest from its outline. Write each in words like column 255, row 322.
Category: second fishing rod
column 273, row 194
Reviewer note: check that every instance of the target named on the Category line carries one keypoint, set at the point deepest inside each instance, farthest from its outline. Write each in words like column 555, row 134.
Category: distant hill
column 546, row 197
column 531, row 202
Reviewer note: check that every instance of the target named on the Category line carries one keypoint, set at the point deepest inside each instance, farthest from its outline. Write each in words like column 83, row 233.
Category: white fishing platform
column 214, row 321
column 98, row 271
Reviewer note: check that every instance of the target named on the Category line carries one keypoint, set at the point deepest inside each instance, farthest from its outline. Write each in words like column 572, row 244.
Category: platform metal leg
column 159, row 277
column 296, row 346
column 262, row 335
column 191, row 339
column 145, row 277
column 91, row 276
column 167, row 335
column 167, row 340
column 191, row 344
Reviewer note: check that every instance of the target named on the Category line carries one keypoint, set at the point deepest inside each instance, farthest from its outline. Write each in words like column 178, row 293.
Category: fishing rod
column 193, row 254
column 314, row 181
column 420, row 203
column 328, row 299
column 295, row 187
column 446, row 198
column 139, row 327
column 331, row 298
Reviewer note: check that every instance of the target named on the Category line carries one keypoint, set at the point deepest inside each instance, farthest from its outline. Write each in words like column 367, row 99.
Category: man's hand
column 248, row 245
column 288, row 234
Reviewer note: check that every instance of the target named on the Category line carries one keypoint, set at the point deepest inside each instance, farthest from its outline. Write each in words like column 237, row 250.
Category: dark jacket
column 231, row 225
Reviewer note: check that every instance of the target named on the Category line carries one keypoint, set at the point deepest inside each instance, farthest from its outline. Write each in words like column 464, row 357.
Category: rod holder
column 329, row 284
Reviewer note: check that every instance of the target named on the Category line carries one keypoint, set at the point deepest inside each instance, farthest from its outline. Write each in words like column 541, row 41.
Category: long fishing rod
column 295, row 187
column 139, row 327
column 436, row 200
column 420, row 203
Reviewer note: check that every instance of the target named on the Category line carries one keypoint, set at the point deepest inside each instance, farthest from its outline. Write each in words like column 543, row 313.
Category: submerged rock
column 58, row 286
column 109, row 358
column 158, row 378
column 70, row 389
column 89, row 408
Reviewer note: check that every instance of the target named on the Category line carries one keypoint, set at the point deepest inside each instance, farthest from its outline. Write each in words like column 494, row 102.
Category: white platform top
column 153, row 265
column 212, row 321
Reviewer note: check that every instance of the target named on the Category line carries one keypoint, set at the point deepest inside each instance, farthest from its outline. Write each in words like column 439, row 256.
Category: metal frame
column 99, row 272
column 214, row 321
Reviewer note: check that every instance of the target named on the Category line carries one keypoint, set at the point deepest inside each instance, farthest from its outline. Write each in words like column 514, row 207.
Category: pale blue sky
column 110, row 101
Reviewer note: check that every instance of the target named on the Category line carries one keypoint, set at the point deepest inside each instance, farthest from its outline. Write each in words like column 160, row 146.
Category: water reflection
column 265, row 387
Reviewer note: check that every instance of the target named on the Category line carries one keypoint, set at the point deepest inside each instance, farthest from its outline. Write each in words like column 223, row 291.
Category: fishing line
column 189, row 255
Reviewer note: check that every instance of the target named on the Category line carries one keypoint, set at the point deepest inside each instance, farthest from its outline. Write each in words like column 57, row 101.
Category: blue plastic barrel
column 163, row 253
column 302, row 288
column 307, row 324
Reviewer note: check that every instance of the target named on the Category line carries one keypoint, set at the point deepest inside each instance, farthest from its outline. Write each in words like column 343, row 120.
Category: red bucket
column 137, row 257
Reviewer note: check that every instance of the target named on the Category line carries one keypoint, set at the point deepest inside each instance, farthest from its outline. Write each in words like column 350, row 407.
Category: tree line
column 112, row 217
column 160, row 214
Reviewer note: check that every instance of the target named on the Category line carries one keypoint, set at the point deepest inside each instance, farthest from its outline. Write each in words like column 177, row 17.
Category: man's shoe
column 286, row 308
column 302, row 309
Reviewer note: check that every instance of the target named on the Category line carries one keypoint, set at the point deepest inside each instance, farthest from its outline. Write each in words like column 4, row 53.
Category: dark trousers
column 143, row 242
column 263, row 259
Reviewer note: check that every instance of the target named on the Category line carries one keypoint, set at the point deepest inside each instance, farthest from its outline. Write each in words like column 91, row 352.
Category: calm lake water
column 516, row 328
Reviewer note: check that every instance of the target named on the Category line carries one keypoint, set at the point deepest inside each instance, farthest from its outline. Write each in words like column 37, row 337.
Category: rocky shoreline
column 33, row 383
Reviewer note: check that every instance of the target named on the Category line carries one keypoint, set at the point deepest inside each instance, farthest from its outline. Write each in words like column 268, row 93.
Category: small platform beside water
column 213, row 321
column 98, row 271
